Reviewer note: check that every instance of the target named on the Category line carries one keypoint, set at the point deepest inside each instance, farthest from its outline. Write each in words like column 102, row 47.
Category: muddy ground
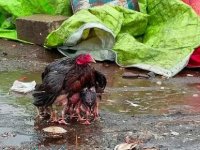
column 159, row 113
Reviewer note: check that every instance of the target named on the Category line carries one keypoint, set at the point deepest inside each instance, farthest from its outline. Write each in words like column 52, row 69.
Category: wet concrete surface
column 162, row 113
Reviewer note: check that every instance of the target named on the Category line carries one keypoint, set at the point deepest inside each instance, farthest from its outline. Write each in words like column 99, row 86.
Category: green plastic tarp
column 160, row 38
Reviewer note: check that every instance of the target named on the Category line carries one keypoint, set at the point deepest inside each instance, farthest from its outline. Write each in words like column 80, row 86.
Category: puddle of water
column 16, row 140
column 121, row 96
column 16, row 110
column 17, row 113
column 144, row 96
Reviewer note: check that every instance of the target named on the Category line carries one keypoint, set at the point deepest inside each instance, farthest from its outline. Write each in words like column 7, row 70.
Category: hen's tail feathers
column 42, row 98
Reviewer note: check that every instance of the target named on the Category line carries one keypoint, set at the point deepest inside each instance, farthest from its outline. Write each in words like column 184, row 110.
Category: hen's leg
column 71, row 112
column 38, row 113
column 96, row 111
column 62, row 119
column 46, row 112
column 78, row 112
column 87, row 122
column 54, row 117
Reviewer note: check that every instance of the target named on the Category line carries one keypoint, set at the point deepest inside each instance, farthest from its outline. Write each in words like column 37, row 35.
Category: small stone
column 159, row 82
column 54, row 130
column 162, row 88
column 165, row 134
column 190, row 75
column 5, row 54
column 195, row 95
column 174, row 133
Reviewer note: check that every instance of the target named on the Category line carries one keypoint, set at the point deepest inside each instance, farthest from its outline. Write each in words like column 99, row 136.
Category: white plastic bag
column 23, row 87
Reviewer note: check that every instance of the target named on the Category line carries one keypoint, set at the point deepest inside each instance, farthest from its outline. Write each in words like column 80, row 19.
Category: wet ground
column 161, row 113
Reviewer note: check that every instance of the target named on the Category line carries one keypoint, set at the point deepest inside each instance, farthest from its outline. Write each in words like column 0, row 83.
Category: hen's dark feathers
column 46, row 93
column 60, row 64
column 100, row 82
column 42, row 98
column 65, row 76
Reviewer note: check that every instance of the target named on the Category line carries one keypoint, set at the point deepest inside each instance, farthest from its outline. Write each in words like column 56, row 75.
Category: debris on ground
column 126, row 146
column 131, row 75
column 132, row 104
column 54, row 132
column 23, row 87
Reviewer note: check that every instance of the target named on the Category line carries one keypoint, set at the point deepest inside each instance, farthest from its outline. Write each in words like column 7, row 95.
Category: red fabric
column 195, row 57
column 195, row 5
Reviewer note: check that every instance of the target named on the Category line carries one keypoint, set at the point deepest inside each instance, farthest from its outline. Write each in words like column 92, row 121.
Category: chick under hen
column 88, row 105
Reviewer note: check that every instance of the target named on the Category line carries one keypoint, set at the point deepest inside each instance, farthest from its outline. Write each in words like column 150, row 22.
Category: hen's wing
column 46, row 93
column 60, row 64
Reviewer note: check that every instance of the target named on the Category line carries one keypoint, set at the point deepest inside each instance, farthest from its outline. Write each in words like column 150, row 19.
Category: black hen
column 64, row 78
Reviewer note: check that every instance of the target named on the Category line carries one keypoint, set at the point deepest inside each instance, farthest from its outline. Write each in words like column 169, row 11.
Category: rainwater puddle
column 127, row 96
column 152, row 96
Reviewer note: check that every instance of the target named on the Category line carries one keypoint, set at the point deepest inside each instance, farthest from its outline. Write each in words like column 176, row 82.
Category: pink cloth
column 195, row 57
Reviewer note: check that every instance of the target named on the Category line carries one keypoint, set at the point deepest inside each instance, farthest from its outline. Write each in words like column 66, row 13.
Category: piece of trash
column 165, row 134
column 111, row 101
column 195, row 95
column 162, row 88
column 126, row 146
column 124, row 111
column 174, row 133
column 190, row 75
column 54, row 130
column 23, row 87
column 134, row 75
column 132, row 104
column 159, row 82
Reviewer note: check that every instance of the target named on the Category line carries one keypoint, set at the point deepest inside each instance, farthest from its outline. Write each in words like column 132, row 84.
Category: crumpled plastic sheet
column 23, row 87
